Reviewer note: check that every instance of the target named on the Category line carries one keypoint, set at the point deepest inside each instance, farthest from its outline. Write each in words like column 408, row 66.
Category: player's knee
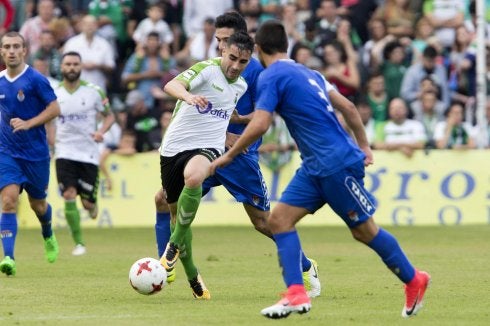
column 260, row 224
column 70, row 194
column 9, row 203
column 161, row 202
column 39, row 207
column 365, row 232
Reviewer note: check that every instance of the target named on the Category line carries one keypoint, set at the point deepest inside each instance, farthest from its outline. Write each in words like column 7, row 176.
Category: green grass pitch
column 241, row 271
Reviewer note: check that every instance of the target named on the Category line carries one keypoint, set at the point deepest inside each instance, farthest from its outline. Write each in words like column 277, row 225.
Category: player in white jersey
column 207, row 94
column 76, row 146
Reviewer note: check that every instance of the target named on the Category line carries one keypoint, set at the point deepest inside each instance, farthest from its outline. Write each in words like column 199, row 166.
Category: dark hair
column 71, row 53
column 298, row 46
column 13, row 34
column 209, row 21
column 340, row 48
column 430, row 52
column 389, row 48
column 271, row 37
column 232, row 20
column 153, row 34
column 242, row 40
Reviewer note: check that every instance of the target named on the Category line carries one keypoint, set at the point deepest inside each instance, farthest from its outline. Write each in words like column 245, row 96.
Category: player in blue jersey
column 331, row 173
column 243, row 177
column 27, row 102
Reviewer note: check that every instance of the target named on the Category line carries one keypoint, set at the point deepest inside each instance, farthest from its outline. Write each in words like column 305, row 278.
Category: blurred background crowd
column 409, row 66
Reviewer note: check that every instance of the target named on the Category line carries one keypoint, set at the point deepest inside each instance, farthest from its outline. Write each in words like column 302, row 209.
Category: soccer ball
column 147, row 276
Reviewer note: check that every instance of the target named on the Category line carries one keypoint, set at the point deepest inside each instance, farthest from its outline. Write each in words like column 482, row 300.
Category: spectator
column 445, row 17
column 430, row 111
column 462, row 58
column 49, row 51
column 393, row 68
column 370, row 125
column 200, row 47
column 114, row 13
column 327, row 22
column 341, row 69
column 251, row 10
column 423, row 32
column 142, row 122
column 358, row 12
column 304, row 55
column 454, row 133
column 146, row 67
column 294, row 27
column 32, row 28
column 398, row 16
column 96, row 52
column 41, row 64
column 196, row 12
column 400, row 133
column 276, row 151
column 377, row 98
column 372, row 54
column 154, row 23
column 269, row 9
column 8, row 16
column 410, row 88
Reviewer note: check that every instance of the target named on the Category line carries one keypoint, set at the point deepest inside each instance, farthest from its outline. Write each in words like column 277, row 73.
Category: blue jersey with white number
column 24, row 97
column 246, row 103
column 300, row 96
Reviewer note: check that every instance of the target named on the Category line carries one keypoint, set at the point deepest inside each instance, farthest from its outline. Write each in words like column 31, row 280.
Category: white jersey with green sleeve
column 78, row 121
column 193, row 127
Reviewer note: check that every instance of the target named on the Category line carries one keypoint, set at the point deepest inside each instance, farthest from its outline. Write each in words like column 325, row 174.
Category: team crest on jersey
column 20, row 95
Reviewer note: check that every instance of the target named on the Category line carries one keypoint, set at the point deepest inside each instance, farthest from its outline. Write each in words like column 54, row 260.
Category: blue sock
column 392, row 255
column 162, row 231
column 305, row 262
column 8, row 232
column 289, row 251
column 45, row 221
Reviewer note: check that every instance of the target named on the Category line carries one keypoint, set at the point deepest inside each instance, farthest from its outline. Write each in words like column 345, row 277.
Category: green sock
column 186, row 256
column 187, row 206
column 73, row 219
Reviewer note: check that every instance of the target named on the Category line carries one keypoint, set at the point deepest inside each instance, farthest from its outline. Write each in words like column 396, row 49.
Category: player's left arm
column 51, row 112
column 255, row 129
column 107, row 122
column 353, row 120
column 104, row 107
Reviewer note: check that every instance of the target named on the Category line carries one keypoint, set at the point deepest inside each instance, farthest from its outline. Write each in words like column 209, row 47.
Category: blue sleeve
column 44, row 90
column 267, row 92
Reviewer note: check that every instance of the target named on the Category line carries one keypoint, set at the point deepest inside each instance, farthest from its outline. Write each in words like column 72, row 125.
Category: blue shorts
column 243, row 180
column 343, row 191
column 33, row 176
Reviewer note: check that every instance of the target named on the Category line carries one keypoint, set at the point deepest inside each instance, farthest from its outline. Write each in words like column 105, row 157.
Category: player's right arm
column 179, row 89
column 353, row 120
column 51, row 112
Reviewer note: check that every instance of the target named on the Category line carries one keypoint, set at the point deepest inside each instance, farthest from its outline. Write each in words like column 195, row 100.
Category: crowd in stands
column 409, row 66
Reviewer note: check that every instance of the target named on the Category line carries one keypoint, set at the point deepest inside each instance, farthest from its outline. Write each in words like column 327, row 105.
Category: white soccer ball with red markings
column 147, row 276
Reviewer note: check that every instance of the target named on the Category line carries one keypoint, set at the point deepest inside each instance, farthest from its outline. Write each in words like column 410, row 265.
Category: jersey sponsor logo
column 221, row 114
column 20, row 95
column 359, row 195
column 72, row 117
